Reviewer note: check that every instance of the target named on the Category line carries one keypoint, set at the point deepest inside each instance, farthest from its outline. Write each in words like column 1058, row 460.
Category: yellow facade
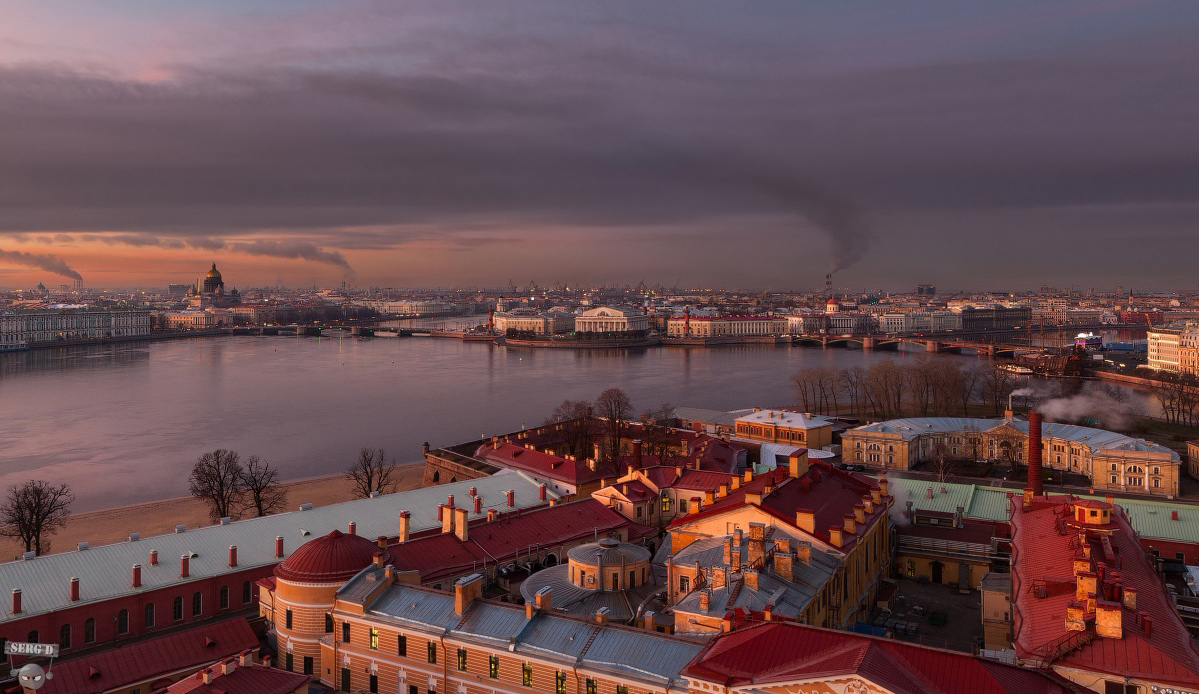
column 785, row 428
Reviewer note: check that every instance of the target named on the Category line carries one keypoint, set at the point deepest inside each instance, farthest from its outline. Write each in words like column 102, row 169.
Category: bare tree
column 656, row 434
column 577, row 426
column 217, row 480
column 263, row 493
column 942, row 465
column 996, row 384
column 614, row 406
column 371, row 473
column 34, row 511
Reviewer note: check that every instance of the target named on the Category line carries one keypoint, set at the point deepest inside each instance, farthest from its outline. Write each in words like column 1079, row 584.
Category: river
column 124, row 423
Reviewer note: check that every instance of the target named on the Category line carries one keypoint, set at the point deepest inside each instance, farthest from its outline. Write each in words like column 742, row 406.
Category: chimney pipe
column 478, row 504
column 279, row 546
column 450, row 501
column 16, row 601
column 153, row 557
column 1035, row 481
column 232, row 556
column 354, row 527
column 541, row 492
column 137, row 575
column 474, row 491
column 74, row 589
column 405, row 524
column 637, row 454
column 511, row 498
column 183, row 566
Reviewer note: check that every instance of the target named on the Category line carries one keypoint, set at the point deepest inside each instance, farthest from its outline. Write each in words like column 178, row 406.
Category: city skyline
column 464, row 145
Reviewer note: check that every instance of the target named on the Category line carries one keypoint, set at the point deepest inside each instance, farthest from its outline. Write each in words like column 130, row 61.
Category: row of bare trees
column 232, row 489
column 922, row 386
column 584, row 424
column 1178, row 395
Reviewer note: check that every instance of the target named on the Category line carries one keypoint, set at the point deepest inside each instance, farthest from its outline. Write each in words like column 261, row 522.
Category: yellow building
column 726, row 326
column 1193, row 458
column 787, row 428
column 996, row 590
column 834, row 512
column 1113, row 461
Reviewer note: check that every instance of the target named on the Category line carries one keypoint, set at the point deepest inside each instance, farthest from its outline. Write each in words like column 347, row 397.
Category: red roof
column 778, row 652
column 511, row 456
column 829, row 493
column 1044, row 546
column 512, row 534
column 251, row 679
column 148, row 660
column 334, row 558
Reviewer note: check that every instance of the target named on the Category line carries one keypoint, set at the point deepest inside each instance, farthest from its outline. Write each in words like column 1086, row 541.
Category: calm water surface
column 124, row 423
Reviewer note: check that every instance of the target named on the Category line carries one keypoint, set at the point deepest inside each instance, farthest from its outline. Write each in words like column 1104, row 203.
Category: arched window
column 32, row 638
column 197, row 604
column 224, row 597
column 328, row 624
column 64, row 636
column 123, row 622
column 89, row 631
column 148, row 619
column 177, row 608
column 436, row 476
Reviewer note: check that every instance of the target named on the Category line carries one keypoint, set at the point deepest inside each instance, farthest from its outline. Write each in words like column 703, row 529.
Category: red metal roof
column 512, row 456
column 779, row 652
column 507, row 538
column 252, row 679
column 334, row 558
column 147, row 660
column 829, row 493
column 1044, row 546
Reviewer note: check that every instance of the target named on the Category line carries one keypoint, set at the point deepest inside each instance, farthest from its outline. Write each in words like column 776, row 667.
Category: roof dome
column 213, row 274
column 334, row 558
column 611, row 551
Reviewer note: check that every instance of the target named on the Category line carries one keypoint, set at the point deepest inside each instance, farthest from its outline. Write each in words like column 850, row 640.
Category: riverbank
column 160, row 517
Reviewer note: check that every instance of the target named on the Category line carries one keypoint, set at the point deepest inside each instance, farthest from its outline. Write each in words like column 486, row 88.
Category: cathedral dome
column 334, row 558
column 213, row 274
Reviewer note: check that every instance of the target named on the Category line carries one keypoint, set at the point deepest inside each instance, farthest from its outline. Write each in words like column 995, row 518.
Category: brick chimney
column 16, row 601
column 636, row 455
column 1108, row 620
column 543, row 599
column 511, row 494
column 1034, row 453
column 783, row 564
column 751, row 579
column 728, row 550
column 735, row 558
column 859, row 513
column 405, row 526
column 805, row 519
column 1130, row 598
column 541, row 492
column 183, row 566
column 1076, row 618
column 137, row 575
column 705, row 601
column 803, row 552
column 232, row 556
column 279, row 546
column 460, row 524
column 354, row 526
column 478, row 504
column 882, row 487
column 1085, row 582
column 466, row 591
column 74, row 589
column 601, row 615
column 381, row 542
column 492, row 514
column 797, row 464
column 834, row 536
column 850, row 525
column 757, row 545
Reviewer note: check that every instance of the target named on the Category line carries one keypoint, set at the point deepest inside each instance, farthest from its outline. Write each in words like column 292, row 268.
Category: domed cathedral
column 609, row 574
column 213, row 284
column 297, row 603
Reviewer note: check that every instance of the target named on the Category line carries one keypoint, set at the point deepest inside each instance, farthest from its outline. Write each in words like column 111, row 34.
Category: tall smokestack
column 828, row 284
column 1034, row 454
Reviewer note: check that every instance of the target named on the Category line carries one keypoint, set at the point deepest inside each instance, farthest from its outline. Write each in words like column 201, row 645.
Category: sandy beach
column 160, row 517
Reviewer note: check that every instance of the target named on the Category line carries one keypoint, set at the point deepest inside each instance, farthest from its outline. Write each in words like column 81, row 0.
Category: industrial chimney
column 1034, row 454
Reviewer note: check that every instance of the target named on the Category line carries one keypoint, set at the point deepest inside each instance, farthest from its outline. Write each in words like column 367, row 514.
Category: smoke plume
column 294, row 249
column 1109, row 407
column 898, row 509
column 49, row 263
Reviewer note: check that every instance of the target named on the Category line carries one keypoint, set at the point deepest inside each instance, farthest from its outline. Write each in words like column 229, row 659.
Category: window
column 224, row 597
column 1157, row 482
column 148, row 617
column 32, row 637
column 591, row 686
column 123, row 622
column 374, row 683
column 638, row 511
column 526, row 675
column 684, row 584
column 177, row 609
column 462, row 659
column 1113, row 479
column 345, row 632
column 432, row 653
column 307, row 665
column 560, row 683
column 197, row 604
column 665, row 503
column 247, row 593
column 615, row 581
column 374, row 639
column 287, row 662
column 89, row 631
column 622, row 689
column 64, row 636
column 1094, row 513
column 493, row 667
column 401, row 648
column 287, row 619
column 329, row 625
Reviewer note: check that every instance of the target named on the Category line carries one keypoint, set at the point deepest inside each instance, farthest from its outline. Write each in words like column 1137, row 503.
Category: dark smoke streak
column 50, row 263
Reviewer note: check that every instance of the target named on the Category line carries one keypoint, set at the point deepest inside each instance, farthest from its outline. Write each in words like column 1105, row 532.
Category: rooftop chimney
column 541, row 492
column 279, row 546
column 478, row 504
column 154, row 557
column 137, row 575
column 405, row 525
column 450, row 501
column 354, row 527
column 460, row 525
column 183, row 566
column 16, row 601
column 636, row 454
column 1034, row 454
column 601, row 615
column 511, row 498
column 798, row 464
column 466, row 591
column 74, row 589
column 805, row 519
column 232, row 556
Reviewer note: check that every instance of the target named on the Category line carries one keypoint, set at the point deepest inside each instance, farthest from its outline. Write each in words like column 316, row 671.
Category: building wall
column 105, row 612
column 815, row 437
column 1193, row 459
column 28, row 328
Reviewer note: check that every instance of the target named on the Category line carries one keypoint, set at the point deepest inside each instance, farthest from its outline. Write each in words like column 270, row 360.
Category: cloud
column 44, row 261
column 293, row 249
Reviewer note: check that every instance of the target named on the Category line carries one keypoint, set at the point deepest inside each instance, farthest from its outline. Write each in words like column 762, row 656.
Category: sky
column 753, row 145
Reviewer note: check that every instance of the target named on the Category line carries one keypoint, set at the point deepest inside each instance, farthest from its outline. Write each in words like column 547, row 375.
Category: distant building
column 179, row 290
column 726, row 326
column 1175, row 348
column 1193, row 459
column 607, row 319
column 785, row 427
column 552, row 323
column 23, row 329
column 926, row 290
column 212, row 283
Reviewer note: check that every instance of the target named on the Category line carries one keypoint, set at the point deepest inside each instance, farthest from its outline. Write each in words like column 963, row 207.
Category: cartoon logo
column 31, row 676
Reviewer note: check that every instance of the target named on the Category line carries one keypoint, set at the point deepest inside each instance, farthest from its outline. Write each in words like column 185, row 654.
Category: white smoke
column 898, row 509
column 1103, row 406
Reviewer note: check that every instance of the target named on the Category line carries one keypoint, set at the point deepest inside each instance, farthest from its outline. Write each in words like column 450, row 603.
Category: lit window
column 462, row 659
column 526, row 675
column 374, row 639
column 493, row 667
column 432, row 652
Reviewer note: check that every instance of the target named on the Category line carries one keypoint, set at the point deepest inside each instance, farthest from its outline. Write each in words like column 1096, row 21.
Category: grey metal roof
column 422, row 608
column 106, row 571
column 1096, row 439
column 698, row 414
column 640, row 652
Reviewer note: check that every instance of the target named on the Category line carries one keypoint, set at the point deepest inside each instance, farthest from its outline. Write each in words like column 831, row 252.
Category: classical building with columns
column 607, row 319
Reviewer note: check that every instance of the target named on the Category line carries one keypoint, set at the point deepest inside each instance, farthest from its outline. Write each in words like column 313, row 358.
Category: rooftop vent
column 226, row 520
column 305, row 507
column 82, row 546
column 27, row 556
column 374, row 494
column 180, row 528
column 134, row 537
